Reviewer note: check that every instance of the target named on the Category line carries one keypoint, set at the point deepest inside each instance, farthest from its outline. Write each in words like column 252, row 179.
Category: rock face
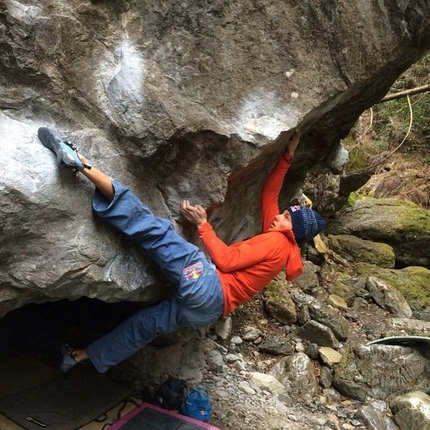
column 185, row 100
column 403, row 225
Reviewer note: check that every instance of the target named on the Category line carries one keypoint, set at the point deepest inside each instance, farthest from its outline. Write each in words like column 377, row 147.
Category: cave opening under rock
column 38, row 330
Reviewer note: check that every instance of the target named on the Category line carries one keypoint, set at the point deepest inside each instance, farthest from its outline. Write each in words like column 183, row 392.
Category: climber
column 204, row 290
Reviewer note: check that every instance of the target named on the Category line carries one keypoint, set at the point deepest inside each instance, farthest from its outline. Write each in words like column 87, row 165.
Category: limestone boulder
column 177, row 100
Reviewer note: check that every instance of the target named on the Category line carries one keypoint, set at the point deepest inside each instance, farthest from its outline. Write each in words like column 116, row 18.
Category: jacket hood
column 294, row 263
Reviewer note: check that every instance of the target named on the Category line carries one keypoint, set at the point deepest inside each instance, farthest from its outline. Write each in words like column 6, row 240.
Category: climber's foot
column 66, row 152
column 68, row 362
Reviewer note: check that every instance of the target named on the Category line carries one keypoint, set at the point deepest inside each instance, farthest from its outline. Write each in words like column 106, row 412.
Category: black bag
column 171, row 393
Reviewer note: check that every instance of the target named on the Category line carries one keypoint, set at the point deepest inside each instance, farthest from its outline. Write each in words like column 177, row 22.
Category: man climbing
column 204, row 290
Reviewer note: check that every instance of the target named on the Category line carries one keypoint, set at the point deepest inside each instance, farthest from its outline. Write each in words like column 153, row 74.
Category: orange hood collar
column 294, row 261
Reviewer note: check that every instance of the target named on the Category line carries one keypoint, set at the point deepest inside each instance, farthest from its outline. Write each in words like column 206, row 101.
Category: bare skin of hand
column 294, row 142
column 195, row 214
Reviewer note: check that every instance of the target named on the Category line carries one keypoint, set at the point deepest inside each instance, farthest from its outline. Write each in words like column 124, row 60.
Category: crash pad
column 401, row 340
column 67, row 402
column 150, row 417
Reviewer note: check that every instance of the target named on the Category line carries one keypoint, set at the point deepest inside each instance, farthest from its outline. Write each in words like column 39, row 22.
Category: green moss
column 413, row 282
column 353, row 198
column 415, row 218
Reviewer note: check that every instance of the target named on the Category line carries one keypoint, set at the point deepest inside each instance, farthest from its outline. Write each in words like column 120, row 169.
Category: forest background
column 392, row 139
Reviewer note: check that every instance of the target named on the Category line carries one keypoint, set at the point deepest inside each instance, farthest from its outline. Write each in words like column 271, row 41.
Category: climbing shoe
column 66, row 152
column 68, row 362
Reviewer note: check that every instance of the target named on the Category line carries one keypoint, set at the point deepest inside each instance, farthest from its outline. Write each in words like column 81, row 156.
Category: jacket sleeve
column 230, row 258
column 271, row 190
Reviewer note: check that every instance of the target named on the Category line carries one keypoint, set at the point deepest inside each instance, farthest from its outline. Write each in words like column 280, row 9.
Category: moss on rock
column 413, row 282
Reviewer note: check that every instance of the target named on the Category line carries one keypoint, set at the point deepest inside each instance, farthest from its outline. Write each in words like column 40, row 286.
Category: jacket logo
column 193, row 271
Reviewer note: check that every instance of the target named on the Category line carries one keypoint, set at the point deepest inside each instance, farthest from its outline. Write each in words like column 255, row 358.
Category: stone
column 326, row 377
column 407, row 225
column 318, row 333
column 276, row 345
column 338, row 302
column 223, row 327
column 215, row 361
column 381, row 371
column 297, row 374
column 267, row 382
column 412, row 282
column 309, row 278
column 412, row 411
column 374, row 419
column 244, row 386
column 237, row 340
column 278, row 303
column 330, row 318
column 353, row 248
column 329, row 356
column 251, row 334
column 388, row 297
column 171, row 111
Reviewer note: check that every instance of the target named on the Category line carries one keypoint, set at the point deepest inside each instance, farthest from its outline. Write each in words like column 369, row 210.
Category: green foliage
column 358, row 159
column 392, row 118
column 385, row 127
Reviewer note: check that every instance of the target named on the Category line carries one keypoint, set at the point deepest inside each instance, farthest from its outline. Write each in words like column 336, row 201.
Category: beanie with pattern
column 306, row 222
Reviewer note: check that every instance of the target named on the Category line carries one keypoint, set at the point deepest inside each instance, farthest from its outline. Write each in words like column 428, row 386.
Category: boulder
column 403, row 225
column 184, row 100
column 413, row 283
column 412, row 411
column 354, row 249
column 381, row 371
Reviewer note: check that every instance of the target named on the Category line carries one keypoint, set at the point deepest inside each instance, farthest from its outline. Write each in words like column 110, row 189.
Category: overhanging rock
column 185, row 100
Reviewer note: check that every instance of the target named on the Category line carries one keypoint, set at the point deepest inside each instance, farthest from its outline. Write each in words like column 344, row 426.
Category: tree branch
column 410, row 92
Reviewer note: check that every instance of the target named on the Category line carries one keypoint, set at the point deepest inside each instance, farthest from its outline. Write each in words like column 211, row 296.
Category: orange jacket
column 246, row 267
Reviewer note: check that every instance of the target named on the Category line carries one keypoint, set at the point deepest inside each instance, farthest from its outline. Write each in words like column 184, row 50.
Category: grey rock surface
column 412, row 411
column 388, row 298
column 401, row 224
column 381, row 371
column 184, row 100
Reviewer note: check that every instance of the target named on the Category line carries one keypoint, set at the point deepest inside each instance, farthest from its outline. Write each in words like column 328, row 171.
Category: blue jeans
column 197, row 299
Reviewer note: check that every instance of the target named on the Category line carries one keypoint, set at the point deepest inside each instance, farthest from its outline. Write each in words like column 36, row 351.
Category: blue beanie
column 306, row 222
